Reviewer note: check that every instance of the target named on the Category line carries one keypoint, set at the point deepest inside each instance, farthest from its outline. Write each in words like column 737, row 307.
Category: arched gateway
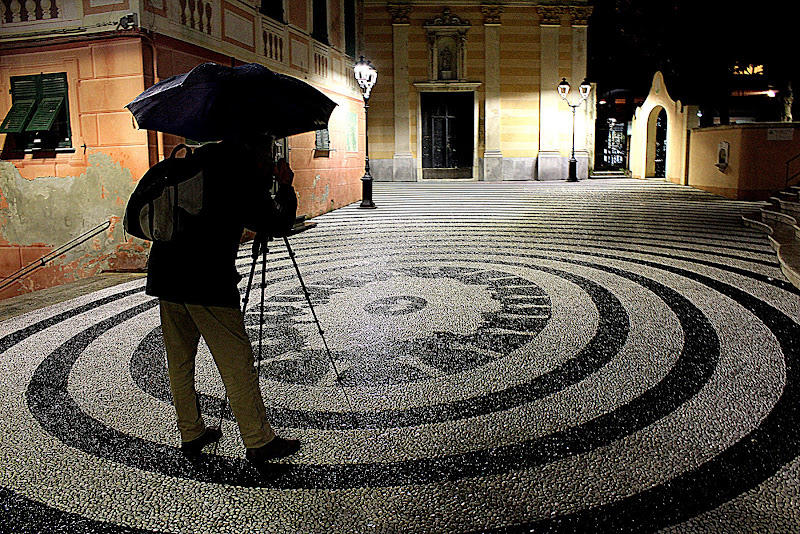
column 659, row 137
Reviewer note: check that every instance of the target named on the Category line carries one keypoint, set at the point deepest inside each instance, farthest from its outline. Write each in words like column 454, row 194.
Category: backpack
column 166, row 197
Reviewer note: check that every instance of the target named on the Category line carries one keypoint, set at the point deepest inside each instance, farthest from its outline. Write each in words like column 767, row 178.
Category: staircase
column 609, row 174
column 779, row 220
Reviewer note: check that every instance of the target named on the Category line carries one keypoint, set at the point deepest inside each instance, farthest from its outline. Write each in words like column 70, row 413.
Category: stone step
column 608, row 174
column 780, row 225
column 791, row 207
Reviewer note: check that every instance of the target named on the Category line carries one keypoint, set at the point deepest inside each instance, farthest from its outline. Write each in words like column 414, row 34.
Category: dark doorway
column 661, row 145
column 447, row 134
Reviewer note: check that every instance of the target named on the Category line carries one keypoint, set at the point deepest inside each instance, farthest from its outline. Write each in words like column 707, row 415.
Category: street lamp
column 563, row 91
column 366, row 75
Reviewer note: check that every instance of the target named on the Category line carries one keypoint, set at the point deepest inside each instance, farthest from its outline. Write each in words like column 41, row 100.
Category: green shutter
column 24, row 87
column 18, row 116
column 46, row 114
column 24, row 96
column 54, row 84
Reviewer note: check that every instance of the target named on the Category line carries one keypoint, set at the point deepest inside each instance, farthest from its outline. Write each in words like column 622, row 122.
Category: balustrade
column 273, row 46
column 196, row 14
column 320, row 64
column 28, row 10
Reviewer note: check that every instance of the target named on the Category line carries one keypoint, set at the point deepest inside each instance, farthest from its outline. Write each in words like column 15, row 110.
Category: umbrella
column 212, row 102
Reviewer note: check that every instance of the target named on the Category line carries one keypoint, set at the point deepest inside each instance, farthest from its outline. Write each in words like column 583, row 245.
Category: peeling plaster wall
column 48, row 199
column 38, row 215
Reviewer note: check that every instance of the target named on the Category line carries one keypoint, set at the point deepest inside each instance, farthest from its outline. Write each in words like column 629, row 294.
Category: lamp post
column 563, row 91
column 366, row 75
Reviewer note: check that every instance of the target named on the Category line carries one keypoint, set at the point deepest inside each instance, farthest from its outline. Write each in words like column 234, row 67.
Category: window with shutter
column 323, row 140
column 39, row 114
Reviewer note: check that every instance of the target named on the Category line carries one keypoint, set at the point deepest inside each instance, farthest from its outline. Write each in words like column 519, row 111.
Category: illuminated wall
column 513, row 59
column 49, row 196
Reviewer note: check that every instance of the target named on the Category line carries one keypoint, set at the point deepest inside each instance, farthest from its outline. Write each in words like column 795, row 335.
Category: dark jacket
column 199, row 266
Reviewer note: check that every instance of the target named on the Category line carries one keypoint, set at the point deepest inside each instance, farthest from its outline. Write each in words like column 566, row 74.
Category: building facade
column 71, row 152
column 468, row 90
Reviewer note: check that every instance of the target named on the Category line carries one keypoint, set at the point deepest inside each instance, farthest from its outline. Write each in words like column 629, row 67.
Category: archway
column 656, row 162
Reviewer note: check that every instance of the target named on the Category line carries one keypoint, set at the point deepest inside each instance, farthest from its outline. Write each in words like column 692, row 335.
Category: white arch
column 643, row 134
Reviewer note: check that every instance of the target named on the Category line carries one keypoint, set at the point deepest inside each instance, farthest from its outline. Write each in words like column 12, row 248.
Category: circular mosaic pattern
column 377, row 344
column 503, row 376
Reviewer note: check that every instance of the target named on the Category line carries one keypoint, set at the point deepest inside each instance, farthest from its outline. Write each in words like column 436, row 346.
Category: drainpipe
column 154, row 57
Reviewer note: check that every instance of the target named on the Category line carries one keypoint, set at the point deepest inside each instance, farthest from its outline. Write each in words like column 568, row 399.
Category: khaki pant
column 223, row 330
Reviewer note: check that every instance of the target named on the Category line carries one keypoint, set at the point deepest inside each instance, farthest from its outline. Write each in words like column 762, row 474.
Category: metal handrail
column 66, row 247
column 788, row 163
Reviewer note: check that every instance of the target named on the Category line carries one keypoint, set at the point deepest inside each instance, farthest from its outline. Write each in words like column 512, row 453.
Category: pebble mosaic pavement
column 607, row 356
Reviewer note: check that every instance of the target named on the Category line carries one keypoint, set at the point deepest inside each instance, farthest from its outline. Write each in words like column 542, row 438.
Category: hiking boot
column 193, row 448
column 277, row 448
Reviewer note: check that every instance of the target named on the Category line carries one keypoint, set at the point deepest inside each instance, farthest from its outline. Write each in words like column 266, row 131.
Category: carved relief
column 491, row 14
column 579, row 15
column 399, row 13
column 551, row 15
column 447, row 19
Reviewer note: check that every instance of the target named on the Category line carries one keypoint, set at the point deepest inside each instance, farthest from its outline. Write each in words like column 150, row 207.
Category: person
column 195, row 279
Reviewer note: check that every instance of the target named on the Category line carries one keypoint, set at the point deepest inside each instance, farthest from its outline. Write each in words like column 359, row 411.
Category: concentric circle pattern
column 607, row 356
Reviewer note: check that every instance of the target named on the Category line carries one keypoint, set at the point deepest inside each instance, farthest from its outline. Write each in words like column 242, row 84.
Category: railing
column 320, row 64
column 28, row 10
column 789, row 175
column 196, row 14
column 63, row 249
column 273, row 46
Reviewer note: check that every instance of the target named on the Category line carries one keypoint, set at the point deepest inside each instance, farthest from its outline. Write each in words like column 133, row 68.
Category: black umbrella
column 212, row 102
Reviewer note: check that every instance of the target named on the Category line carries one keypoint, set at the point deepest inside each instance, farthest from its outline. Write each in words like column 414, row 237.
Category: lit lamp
column 366, row 75
column 563, row 91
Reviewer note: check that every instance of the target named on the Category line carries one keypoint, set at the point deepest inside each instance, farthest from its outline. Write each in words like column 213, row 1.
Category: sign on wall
column 780, row 134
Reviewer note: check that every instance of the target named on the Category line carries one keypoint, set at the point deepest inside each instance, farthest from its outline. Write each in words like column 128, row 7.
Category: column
column 492, row 153
column 550, row 164
column 404, row 168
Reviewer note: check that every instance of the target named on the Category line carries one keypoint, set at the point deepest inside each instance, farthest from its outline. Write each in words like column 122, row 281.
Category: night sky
column 695, row 43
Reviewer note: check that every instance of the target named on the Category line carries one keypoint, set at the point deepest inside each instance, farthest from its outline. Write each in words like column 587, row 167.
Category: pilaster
column 492, row 154
column 549, row 160
column 403, row 167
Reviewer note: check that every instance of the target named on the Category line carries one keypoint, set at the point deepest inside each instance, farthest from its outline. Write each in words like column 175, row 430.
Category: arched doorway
column 656, row 164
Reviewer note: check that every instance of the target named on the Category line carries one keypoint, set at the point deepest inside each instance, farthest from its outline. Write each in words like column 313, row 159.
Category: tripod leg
column 261, row 309
column 319, row 327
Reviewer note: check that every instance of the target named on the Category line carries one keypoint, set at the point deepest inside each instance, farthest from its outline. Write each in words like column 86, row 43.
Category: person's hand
column 283, row 172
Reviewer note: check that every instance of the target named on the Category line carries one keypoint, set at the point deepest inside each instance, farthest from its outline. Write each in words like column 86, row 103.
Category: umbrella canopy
column 212, row 102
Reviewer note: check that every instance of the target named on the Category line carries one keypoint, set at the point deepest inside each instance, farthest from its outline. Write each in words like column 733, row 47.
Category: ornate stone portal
column 447, row 36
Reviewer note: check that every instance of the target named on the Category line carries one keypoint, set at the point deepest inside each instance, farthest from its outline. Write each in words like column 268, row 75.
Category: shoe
column 195, row 447
column 277, row 448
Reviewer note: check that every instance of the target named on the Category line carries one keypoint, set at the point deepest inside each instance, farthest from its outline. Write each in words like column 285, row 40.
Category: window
column 322, row 147
column 350, row 28
column 39, row 114
column 273, row 9
column 320, row 21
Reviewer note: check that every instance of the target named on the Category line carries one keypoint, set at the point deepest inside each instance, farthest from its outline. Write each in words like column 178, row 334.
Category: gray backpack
column 167, row 196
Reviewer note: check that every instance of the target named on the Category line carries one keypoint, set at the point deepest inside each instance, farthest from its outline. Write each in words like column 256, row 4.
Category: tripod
column 261, row 249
